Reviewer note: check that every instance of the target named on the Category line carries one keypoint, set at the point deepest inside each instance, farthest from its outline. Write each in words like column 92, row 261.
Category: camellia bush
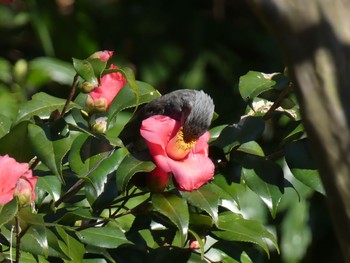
column 82, row 181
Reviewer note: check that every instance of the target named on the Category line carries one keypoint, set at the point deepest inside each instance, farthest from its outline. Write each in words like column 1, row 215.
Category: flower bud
column 87, row 86
column 104, row 56
column 100, row 125
column 23, row 191
column 96, row 104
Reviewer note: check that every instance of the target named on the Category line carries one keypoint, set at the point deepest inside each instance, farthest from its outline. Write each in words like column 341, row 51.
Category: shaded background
column 197, row 44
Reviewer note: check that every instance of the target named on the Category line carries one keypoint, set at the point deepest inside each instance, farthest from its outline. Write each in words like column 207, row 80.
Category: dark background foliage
column 197, row 44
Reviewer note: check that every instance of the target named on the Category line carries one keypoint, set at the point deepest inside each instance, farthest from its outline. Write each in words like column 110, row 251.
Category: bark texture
column 314, row 36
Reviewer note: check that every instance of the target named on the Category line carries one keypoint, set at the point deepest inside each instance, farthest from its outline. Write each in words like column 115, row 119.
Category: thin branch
column 71, row 94
column 277, row 102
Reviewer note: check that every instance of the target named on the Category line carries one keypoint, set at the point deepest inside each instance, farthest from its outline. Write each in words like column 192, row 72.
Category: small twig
column 275, row 155
column 71, row 94
column 18, row 238
column 80, row 183
column 277, row 102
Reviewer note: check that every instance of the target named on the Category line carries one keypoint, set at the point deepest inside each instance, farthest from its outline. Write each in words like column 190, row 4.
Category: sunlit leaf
column 70, row 246
column 5, row 125
column 235, row 228
column 109, row 236
column 254, row 83
column 42, row 105
column 50, row 184
column 251, row 147
column 205, row 198
column 174, row 208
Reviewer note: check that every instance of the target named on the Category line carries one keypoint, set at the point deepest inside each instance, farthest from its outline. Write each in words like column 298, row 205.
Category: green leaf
column 235, row 228
column 44, row 69
column 8, row 211
column 8, row 103
column 49, row 151
column 254, row 83
column 5, row 125
column 300, row 162
column 215, row 132
column 51, row 185
column 266, row 179
column 98, row 177
column 130, row 166
column 126, row 98
column 70, row 246
column 42, row 105
column 35, row 240
column 109, row 236
column 12, row 143
column 85, row 70
column 205, row 198
column 86, row 152
column 174, row 208
column 248, row 129
column 251, row 147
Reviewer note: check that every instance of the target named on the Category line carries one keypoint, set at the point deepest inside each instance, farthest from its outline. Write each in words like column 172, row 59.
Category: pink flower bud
column 101, row 97
column 87, row 86
column 102, row 55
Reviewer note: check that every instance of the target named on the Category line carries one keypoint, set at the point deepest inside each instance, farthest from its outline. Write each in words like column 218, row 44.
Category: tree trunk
column 314, row 36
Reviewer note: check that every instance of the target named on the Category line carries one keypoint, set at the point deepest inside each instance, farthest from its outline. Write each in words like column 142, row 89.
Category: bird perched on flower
column 194, row 109
column 175, row 129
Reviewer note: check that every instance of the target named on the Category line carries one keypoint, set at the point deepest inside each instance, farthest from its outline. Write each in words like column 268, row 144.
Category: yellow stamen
column 177, row 148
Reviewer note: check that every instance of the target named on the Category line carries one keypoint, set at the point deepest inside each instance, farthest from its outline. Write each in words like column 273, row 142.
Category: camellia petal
column 190, row 172
column 12, row 173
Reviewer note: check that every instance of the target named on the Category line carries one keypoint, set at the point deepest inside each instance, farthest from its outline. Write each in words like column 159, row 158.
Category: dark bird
column 193, row 108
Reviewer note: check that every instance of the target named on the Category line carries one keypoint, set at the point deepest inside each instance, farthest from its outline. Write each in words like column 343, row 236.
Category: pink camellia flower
column 101, row 97
column 16, row 179
column 187, row 161
column 102, row 55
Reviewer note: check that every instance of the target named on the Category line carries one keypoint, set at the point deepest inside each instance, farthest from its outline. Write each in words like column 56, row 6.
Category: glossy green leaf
column 248, row 129
column 215, row 132
column 229, row 192
column 5, row 125
column 205, row 198
column 235, row 228
column 12, row 143
column 54, row 246
column 74, row 214
column 85, row 153
column 99, row 176
column 126, row 98
column 128, row 168
column 254, row 83
column 8, row 211
column 50, row 152
column 266, row 179
column 174, row 208
column 35, row 240
column 42, row 105
column 251, row 147
column 109, row 236
column 301, row 164
column 50, row 184
column 70, row 246
column 199, row 240
column 85, row 70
